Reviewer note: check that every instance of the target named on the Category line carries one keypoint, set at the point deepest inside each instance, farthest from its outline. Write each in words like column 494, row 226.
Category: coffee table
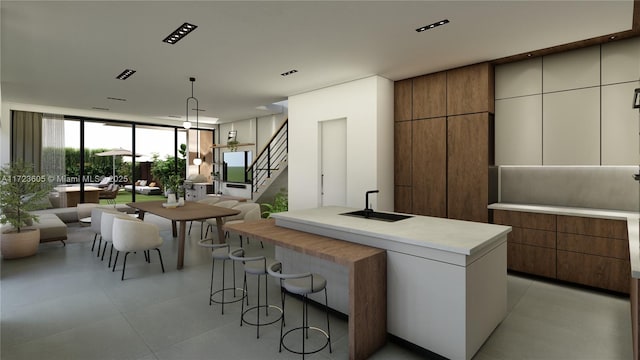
column 189, row 212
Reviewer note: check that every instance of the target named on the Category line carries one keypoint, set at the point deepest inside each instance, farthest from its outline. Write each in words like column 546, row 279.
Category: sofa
column 52, row 228
column 142, row 187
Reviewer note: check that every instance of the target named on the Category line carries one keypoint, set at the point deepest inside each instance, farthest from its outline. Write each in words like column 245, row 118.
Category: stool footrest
column 234, row 298
column 303, row 328
column 257, row 308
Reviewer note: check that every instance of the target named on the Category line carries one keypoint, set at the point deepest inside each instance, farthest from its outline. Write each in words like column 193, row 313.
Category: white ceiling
column 67, row 54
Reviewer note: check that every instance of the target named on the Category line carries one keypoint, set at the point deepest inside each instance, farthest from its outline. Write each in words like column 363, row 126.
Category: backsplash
column 597, row 187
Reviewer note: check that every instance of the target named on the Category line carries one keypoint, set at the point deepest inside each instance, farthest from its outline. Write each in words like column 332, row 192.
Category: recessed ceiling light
column 289, row 72
column 182, row 31
column 116, row 99
column 99, row 108
column 431, row 26
column 125, row 74
column 529, row 55
column 612, row 37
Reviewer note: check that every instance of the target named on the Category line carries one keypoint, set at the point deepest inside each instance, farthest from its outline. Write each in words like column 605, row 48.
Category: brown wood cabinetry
column 594, row 252
column 402, row 153
column 430, row 96
column 468, row 167
column 470, row 89
column 402, row 199
column 451, row 143
column 430, row 167
column 583, row 250
column 402, row 99
column 531, row 245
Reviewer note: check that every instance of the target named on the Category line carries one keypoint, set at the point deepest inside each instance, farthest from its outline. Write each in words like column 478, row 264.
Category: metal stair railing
column 270, row 159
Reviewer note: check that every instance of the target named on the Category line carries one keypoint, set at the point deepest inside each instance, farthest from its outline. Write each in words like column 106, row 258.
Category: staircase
column 270, row 163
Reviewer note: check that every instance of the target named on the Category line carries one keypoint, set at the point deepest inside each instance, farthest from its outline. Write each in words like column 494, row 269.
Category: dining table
column 179, row 215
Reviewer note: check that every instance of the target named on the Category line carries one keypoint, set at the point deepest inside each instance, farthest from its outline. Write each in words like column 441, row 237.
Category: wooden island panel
column 367, row 278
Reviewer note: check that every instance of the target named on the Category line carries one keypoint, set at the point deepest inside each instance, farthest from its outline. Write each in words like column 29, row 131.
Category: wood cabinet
column 429, row 190
column 402, row 108
column 451, row 143
column 402, row 154
column 594, row 252
column 402, row 165
column 531, row 245
column 470, row 89
column 582, row 250
column 468, row 167
column 430, row 96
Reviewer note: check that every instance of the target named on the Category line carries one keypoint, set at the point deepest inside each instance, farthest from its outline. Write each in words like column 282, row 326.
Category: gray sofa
column 51, row 228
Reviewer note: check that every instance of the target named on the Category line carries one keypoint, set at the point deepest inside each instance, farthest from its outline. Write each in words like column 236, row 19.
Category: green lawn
column 125, row 197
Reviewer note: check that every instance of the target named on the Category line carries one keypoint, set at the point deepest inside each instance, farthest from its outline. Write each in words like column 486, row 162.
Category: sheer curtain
column 53, row 154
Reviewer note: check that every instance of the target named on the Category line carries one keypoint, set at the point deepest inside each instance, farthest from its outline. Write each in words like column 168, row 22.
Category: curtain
column 53, row 153
column 26, row 137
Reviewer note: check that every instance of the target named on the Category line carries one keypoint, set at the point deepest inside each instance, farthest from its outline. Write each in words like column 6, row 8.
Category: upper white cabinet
column 571, row 108
column 571, row 70
column 571, row 127
column 619, row 125
column 518, row 79
column 518, row 131
column 621, row 61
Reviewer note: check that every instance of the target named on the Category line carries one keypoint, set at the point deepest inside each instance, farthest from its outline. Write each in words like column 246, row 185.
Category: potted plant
column 233, row 145
column 21, row 190
column 280, row 204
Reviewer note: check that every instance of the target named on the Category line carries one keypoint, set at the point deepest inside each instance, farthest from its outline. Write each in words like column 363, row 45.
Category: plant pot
column 14, row 245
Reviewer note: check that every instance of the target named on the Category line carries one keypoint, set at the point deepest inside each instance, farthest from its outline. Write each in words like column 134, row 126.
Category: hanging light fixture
column 187, row 124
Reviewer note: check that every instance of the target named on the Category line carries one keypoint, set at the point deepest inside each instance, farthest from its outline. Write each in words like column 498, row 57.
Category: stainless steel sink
column 377, row 215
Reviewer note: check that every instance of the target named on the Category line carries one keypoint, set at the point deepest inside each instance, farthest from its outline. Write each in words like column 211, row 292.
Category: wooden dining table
column 188, row 212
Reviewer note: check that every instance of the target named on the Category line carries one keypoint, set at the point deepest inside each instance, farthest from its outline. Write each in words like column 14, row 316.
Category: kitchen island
column 446, row 279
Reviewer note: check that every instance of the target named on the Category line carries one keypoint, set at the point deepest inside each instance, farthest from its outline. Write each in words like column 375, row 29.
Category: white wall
column 570, row 108
column 367, row 104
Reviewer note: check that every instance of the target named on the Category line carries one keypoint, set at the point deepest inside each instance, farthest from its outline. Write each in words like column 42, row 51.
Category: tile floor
column 64, row 303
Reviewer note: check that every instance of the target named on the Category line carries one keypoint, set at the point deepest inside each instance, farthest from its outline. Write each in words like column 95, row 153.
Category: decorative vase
column 171, row 198
column 14, row 245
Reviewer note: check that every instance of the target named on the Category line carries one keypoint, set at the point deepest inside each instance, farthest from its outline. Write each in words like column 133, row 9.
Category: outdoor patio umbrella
column 114, row 153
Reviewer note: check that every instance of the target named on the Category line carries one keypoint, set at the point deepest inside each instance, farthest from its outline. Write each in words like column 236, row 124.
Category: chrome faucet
column 367, row 209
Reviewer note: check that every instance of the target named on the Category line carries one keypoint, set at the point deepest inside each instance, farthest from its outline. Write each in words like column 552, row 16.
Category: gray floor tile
column 64, row 303
column 111, row 338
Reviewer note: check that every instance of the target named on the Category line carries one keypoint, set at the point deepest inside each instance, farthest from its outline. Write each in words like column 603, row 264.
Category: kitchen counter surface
column 455, row 236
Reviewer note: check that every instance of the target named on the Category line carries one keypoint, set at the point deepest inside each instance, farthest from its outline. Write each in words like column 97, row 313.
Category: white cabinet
column 518, row 131
column 518, row 79
column 619, row 125
column 571, row 70
column 571, row 127
column 197, row 192
column 621, row 61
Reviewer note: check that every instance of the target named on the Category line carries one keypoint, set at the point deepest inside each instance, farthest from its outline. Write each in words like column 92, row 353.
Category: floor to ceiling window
column 84, row 158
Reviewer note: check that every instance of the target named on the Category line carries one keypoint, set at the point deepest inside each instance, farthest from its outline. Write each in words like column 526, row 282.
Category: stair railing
column 270, row 158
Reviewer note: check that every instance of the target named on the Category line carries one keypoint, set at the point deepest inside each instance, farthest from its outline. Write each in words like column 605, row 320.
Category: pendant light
column 187, row 124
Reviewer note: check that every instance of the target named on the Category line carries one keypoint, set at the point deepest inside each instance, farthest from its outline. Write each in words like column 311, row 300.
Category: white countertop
column 460, row 237
column 632, row 218
column 571, row 211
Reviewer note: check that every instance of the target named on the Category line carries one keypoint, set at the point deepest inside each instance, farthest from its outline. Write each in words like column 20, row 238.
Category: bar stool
column 301, row 284
column 256, row 265
column 221, row 252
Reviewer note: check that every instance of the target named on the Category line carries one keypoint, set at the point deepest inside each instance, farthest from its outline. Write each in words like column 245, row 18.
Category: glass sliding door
column 108, row 159
column 161, row 157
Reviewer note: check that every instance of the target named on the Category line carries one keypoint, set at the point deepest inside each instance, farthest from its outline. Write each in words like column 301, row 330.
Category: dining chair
column 133, row 235
column 211, row 223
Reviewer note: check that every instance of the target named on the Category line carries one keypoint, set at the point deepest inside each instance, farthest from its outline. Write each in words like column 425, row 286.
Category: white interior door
column 333, row 172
